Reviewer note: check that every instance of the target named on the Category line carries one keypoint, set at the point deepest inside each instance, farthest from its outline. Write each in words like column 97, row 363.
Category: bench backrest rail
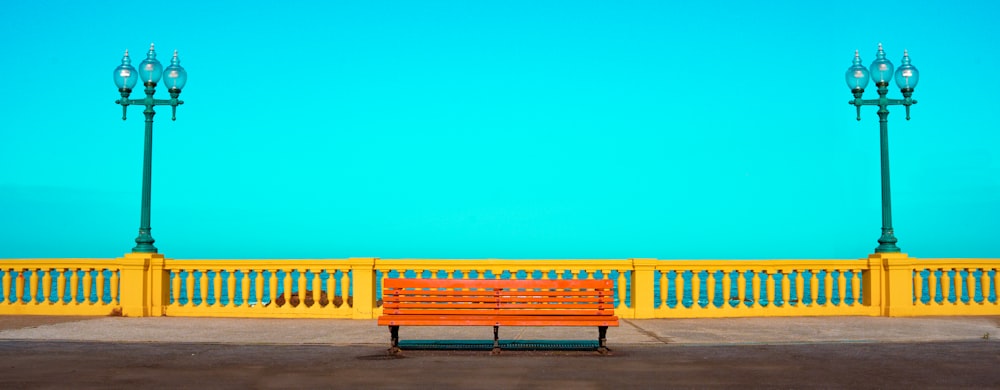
column 498, row 297
column 499, row 283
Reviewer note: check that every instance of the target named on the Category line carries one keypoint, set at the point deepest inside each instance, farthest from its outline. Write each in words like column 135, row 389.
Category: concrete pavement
column 795, row 352
column 730, row 331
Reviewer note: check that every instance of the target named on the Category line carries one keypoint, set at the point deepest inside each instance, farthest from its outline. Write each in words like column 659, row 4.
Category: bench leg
column 394, row 335
column 602, row 340
column 496, row 340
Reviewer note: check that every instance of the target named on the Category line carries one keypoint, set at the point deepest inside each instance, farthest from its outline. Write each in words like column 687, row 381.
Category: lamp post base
column 152, row 249
column 144, row 243
column 887, row 243
column 880, row 249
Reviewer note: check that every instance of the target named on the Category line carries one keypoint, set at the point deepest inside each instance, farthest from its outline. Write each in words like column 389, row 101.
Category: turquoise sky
column 508, row 129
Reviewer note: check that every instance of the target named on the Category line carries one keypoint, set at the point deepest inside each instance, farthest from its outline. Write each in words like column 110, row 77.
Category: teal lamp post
column 881, row 70
column 150, row 71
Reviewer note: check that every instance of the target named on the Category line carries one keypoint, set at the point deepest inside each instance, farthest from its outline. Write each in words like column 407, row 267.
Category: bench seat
column 497, row 302
column 493, row 320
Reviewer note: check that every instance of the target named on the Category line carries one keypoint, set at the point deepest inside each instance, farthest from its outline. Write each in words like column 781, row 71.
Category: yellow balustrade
column 800, row 288
column 710, row 279
column 267, row 288
column 114, row 285
column 244, row 289
column 44, row 292
column 679, row 289
column 958, row 279
column 856, row 287
column 231, row 288
column 19, row 285
column 203, row 288
column 59, row 287
column 970, row 281
column 828, row 286
column 151, row 285
column 189, row 296
column 948, row 286
column 786, row 290
column 984, row 286
column 932, row 284
column 756, row 285
column 286, row 291
column 87, row 285
column 175, row 289
column 996, row 285
column 741, row 289
column 99, row 284
column 770, row 289
column 317, row 292
column 217, row 289
column 74, row 286
column 61, row 284
column 727, row 287
column 272, row 285
column 259, row 288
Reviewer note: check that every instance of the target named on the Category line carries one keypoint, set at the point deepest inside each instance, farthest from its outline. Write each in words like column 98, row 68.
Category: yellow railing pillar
column 159, row 283
column 642, row 288
column 137, row 294
column 363, row 273
column 873, row 283
column 895, row 294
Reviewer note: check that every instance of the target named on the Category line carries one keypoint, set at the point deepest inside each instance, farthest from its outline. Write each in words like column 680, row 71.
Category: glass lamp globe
column 907, row 74
column 150, row 68
column 881, row 68
column 174, row 76
column 857, row 76
column 125, row 75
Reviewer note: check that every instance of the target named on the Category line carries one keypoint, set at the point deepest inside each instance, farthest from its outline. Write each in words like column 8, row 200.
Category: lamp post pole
column 125, row 77
column 906, row 78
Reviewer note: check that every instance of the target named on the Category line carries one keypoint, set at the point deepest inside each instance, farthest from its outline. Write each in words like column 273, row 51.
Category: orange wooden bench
column 496, row 302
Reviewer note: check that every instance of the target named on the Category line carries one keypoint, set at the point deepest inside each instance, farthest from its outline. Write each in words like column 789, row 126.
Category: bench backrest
column 498, row 297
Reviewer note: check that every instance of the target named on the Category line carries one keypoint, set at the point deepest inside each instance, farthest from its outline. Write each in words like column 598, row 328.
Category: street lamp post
column 906, row 79
column 125, row 77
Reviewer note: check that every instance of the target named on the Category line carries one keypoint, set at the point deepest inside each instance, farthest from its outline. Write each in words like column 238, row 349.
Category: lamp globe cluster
column 150, row 71
column 881, row 70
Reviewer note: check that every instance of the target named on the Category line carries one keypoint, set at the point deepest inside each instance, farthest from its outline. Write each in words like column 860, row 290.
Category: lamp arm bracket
column 877, row 102
column 124, row 103
column 173, row 107
column 152, row 102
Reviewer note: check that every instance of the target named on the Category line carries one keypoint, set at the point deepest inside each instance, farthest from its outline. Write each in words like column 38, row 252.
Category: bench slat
column 496, row 283
column 494, row 291
column 485, row 305
column 528, row 299
column 473, row 320
column 500, row 313
column 504, row 293
column 557, row 301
